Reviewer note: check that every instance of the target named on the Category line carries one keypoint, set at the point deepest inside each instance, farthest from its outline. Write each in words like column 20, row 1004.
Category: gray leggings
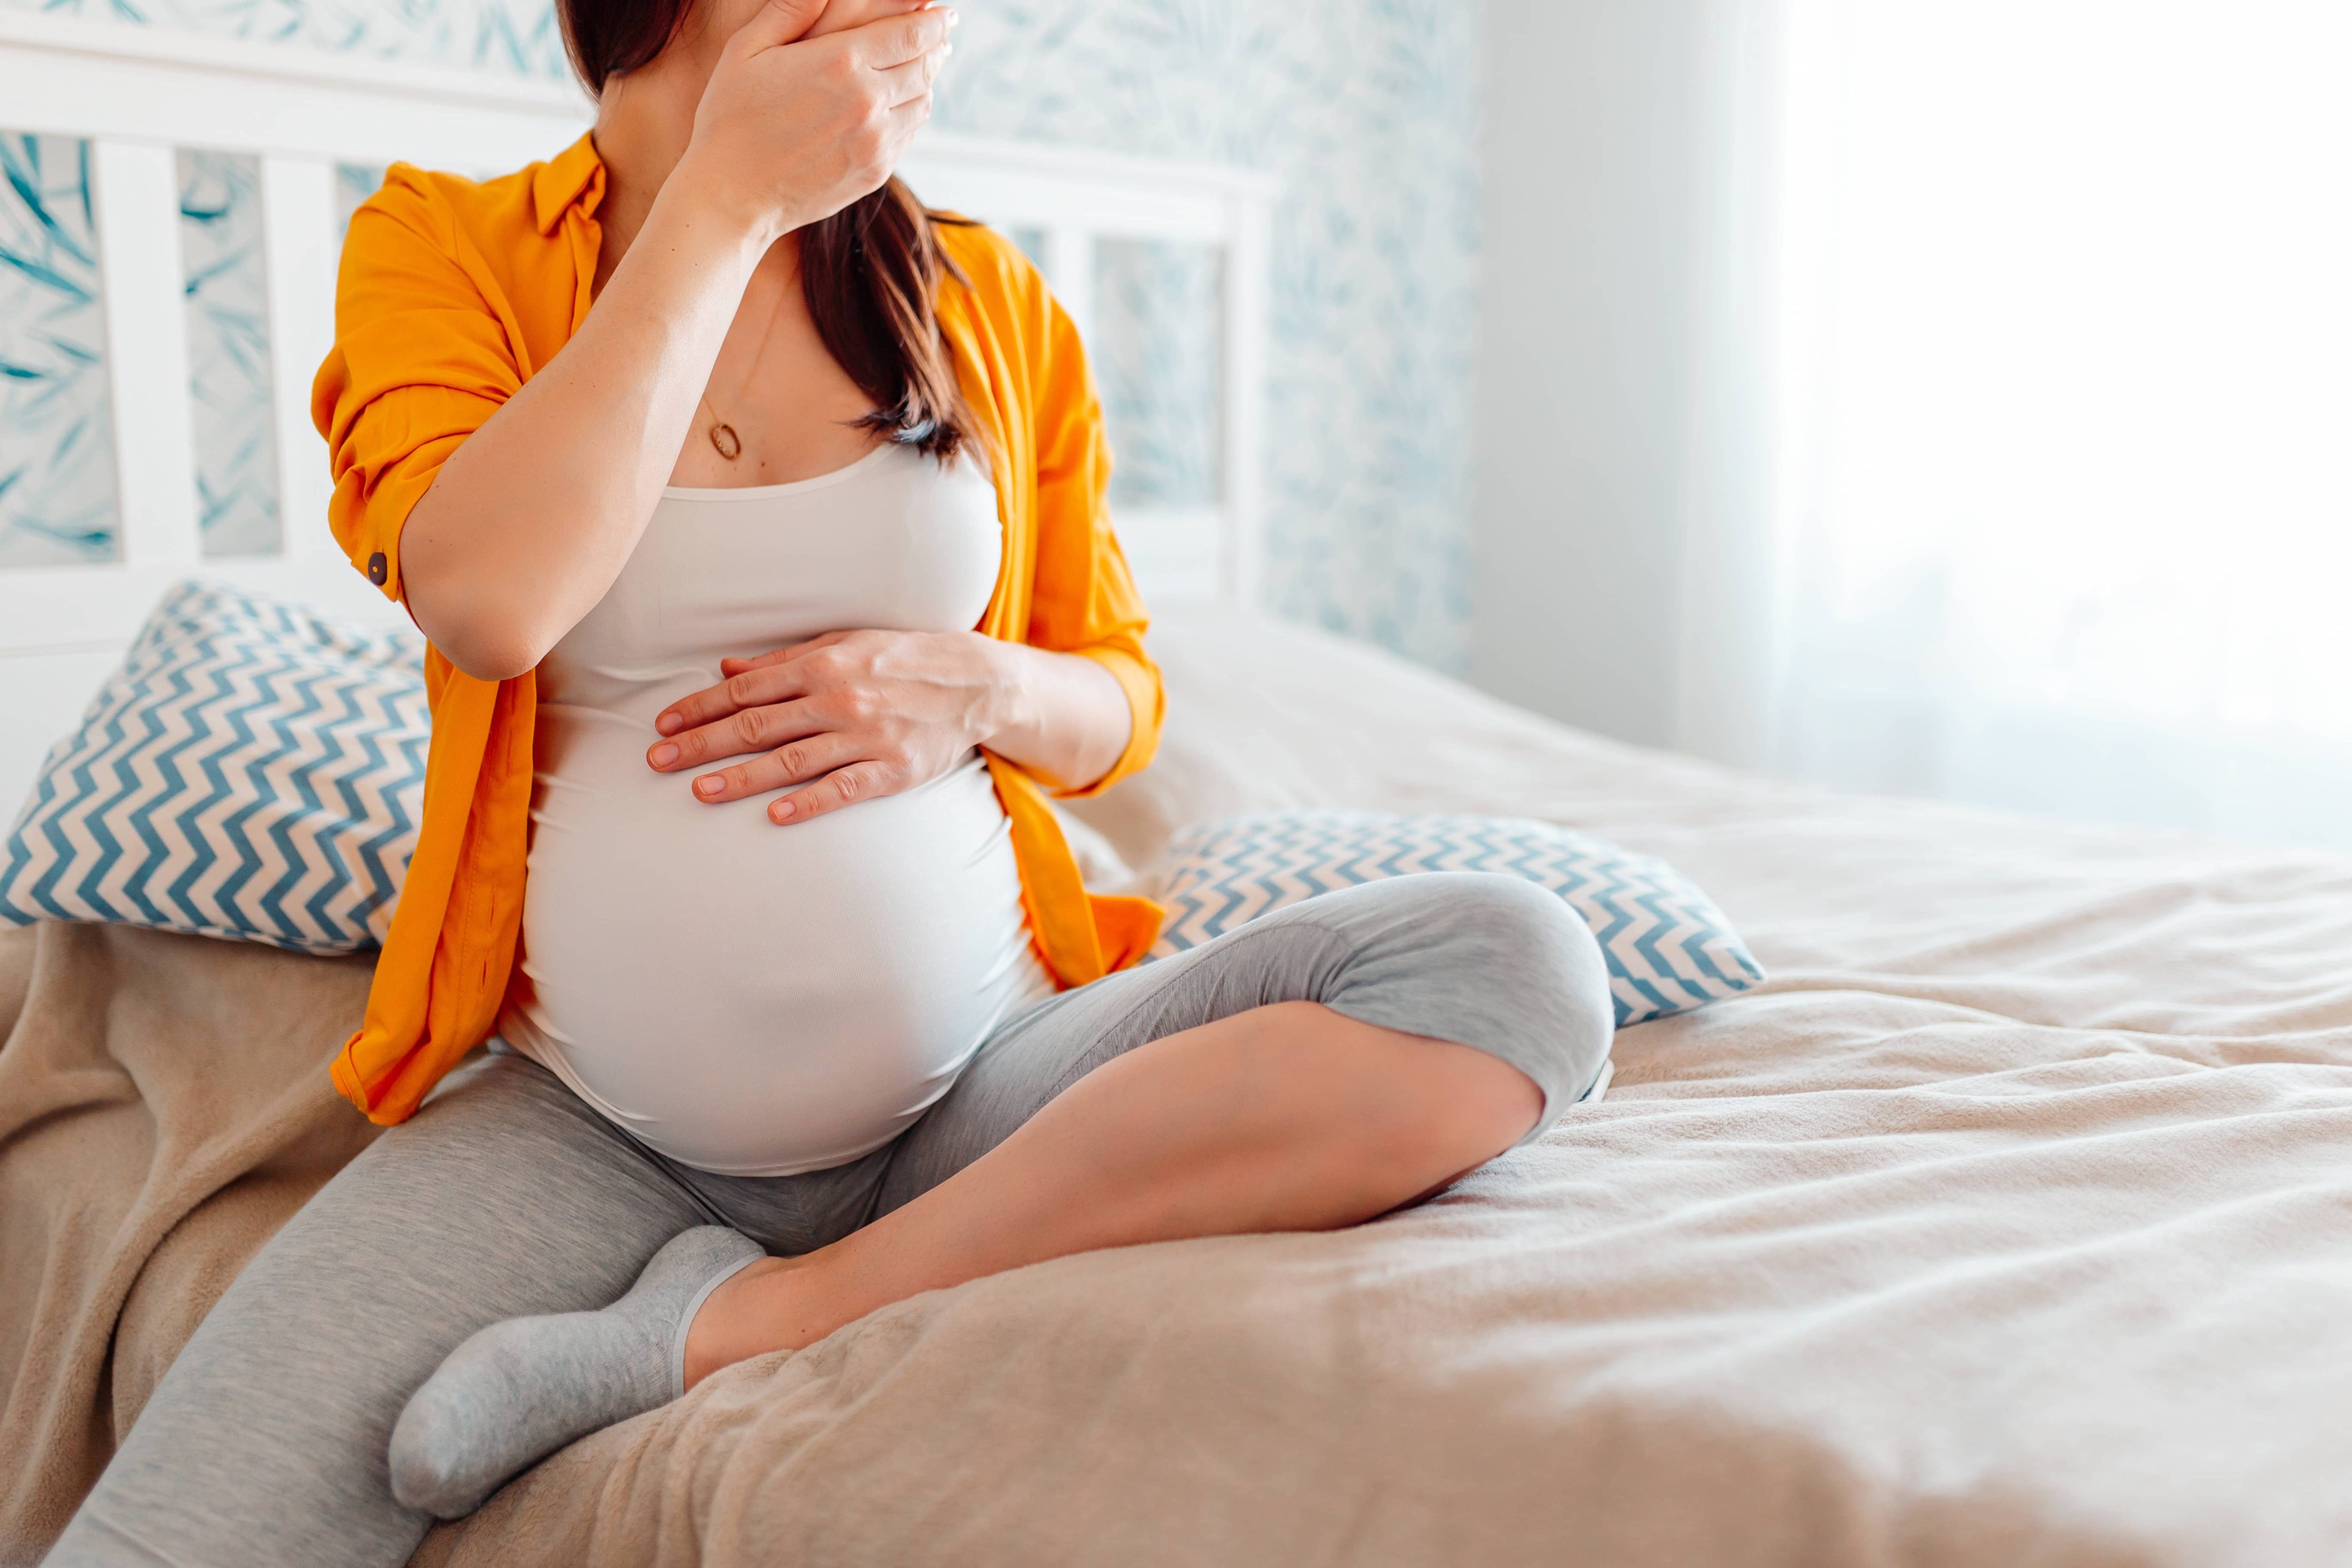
column 506, row 1195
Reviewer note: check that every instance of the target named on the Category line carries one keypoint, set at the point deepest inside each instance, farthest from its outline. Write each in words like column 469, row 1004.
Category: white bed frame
column 139, row 92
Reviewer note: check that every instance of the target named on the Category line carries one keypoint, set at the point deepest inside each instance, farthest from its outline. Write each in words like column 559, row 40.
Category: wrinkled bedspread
column 164, row 1109
column 2009, row 1223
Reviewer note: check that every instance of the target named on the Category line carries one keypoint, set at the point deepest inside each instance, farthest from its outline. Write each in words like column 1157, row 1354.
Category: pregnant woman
column 755, row 516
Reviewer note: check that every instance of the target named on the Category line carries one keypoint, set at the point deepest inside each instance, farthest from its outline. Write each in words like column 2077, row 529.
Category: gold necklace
column 722, row 435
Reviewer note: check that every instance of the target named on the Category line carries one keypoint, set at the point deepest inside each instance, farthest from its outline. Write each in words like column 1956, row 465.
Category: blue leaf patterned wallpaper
column 228, row 352
column 1155, row 359
column 1366, row 109
column 1368, row 112
column 57, row 444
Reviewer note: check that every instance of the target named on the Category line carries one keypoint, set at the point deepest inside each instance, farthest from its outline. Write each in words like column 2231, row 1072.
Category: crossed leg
column 264, row 1445
column 1315, row 1067
column 1320, row 1066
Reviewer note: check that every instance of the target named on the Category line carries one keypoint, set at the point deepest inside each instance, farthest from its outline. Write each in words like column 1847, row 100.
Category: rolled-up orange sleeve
column 427, row 348
column 422, row 357
column 1086, row 601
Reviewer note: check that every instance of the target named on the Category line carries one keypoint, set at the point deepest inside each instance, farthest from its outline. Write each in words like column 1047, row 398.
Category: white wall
column 1617, row 455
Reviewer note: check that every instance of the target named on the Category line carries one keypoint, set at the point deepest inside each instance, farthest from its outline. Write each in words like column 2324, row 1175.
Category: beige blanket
column 2012, row 1223
column 163, row 1108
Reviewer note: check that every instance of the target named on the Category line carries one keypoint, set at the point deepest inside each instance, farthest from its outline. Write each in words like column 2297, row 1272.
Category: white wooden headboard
column 138, row 93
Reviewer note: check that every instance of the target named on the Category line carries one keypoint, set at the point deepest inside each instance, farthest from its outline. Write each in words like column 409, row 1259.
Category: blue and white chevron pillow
column 1669, row 948
column 252, row 771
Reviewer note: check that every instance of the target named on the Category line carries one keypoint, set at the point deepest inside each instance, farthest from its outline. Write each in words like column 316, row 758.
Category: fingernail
column 710, row 786
column 669, row 724
column 955, row 19
column 946, row 49
column 662, row 757
column 781, row 810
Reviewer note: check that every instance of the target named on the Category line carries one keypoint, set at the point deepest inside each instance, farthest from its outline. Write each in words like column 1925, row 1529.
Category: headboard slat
column 298, row 239
column 1241, row 559
column 137, row 192
column 1069, row 268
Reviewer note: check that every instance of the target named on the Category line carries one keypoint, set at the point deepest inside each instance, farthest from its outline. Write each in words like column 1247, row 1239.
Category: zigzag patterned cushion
column 1669, row 948
column 251, row 771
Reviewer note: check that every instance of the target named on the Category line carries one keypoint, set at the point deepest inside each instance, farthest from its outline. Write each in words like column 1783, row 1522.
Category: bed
column 2010, row 1222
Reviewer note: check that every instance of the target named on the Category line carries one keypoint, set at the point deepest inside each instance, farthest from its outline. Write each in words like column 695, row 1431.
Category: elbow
column 471, row 597
column 494, row 663
column 487, row 641
column 497, row 651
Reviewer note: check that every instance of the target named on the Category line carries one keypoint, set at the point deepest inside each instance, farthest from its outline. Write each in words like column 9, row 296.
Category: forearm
column 534, row 516
column 1062, row 716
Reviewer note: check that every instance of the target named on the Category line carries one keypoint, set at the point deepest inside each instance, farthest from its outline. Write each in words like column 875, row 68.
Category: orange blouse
column 452, row 295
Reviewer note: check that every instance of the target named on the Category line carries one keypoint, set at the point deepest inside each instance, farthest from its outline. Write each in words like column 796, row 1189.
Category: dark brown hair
column 870, row 272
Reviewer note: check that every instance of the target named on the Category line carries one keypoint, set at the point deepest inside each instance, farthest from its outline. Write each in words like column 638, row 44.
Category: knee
column 1493, row 961
column 1545, row 961
column 1522, row 920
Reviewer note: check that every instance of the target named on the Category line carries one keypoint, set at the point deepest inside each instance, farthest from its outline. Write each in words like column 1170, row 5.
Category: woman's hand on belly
column 861, row 714
column 855, row 715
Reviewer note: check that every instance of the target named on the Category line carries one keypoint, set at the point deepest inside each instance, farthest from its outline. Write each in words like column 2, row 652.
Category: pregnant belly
column 752, row 999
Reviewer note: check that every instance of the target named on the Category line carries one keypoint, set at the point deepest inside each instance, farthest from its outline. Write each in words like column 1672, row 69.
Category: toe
column 427, row 1473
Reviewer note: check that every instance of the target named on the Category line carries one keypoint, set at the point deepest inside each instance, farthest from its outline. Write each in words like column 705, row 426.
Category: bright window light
column 2067, row 441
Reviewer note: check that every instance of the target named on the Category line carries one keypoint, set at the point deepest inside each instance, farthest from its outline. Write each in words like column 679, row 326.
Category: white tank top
column 748, row 998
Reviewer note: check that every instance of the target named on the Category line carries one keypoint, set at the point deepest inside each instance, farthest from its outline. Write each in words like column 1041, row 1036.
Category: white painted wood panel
column 45, row 697
column 108, row 78
column 299, row 246
column 1069, row 269
column 144, row 297
column 50, row 607
column 1171, row 550
column 1248, row 330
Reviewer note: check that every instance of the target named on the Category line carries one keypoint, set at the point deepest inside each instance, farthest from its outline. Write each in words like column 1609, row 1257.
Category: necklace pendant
column 723, row 436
